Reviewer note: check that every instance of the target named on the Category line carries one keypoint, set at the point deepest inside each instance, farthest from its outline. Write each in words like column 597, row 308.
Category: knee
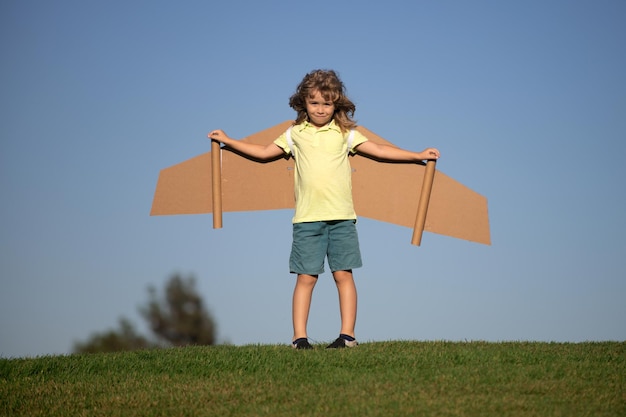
column 343, row 276
column 307, row 280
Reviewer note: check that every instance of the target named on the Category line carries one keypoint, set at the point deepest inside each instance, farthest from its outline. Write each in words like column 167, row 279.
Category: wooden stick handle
column 422, row 206
column 216, row 178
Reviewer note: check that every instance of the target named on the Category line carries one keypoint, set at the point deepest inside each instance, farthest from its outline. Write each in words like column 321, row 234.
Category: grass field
column 374, row 379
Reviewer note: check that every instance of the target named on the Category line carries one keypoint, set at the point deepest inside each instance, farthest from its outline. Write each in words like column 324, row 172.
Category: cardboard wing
column 411, row 195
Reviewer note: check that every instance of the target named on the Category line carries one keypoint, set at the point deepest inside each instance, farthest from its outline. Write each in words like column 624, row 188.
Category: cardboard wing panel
column 248, row 185
column 457, row 211
column 184, row 188
column 388, row 192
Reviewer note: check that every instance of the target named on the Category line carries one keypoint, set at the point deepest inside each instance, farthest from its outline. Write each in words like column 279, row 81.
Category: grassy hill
column 375, row 379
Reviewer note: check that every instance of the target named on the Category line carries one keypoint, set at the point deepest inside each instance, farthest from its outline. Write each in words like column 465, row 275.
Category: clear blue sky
column 525, row 100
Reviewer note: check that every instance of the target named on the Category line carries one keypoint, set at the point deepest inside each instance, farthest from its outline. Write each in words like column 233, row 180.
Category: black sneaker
column 301, row 343
column 341, row 343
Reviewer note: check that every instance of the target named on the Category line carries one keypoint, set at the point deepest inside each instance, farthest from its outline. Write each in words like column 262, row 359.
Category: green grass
column 375, row 379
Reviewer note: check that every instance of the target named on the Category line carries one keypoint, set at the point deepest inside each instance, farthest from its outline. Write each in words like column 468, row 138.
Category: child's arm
column 261, row 152
column 391, row 153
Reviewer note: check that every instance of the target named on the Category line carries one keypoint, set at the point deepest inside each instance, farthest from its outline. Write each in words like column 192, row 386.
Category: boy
column 324, row 220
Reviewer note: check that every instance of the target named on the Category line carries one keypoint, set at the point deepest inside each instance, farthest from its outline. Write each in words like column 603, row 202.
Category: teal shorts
column 313, row 242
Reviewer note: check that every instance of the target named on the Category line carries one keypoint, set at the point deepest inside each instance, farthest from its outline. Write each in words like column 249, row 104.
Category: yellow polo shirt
column 323, row 176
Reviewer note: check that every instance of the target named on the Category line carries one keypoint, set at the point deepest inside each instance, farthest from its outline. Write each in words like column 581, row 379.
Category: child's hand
column 219, row 136
column 429, row 153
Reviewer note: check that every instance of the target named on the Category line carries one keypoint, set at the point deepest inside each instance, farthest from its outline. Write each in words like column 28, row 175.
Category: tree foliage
column 178, row 318
column 125, row 338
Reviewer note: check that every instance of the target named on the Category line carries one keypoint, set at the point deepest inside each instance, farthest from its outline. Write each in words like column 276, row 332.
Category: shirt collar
column 330, row 126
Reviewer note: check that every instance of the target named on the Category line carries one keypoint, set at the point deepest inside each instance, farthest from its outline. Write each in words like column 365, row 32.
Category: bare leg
column 347, row 300
column 302, row 295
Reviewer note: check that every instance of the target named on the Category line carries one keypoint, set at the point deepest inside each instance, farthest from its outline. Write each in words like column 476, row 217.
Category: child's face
column 320, row 111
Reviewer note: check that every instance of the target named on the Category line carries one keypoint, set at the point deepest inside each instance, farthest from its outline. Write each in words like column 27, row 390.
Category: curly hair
column 329, row 85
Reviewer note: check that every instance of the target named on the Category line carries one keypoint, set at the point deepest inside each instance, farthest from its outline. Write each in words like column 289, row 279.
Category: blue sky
column 525, row 100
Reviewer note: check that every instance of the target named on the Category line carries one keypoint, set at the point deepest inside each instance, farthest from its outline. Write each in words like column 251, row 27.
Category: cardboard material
column 216, row 184
column 384, row 191
column 422, row 206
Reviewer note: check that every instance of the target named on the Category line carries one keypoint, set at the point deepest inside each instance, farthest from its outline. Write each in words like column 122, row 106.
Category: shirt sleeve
column 281, row 142
column 358, row 139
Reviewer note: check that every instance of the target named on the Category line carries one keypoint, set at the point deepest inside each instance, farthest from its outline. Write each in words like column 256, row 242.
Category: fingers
column 216, row 134
column 432, row 153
